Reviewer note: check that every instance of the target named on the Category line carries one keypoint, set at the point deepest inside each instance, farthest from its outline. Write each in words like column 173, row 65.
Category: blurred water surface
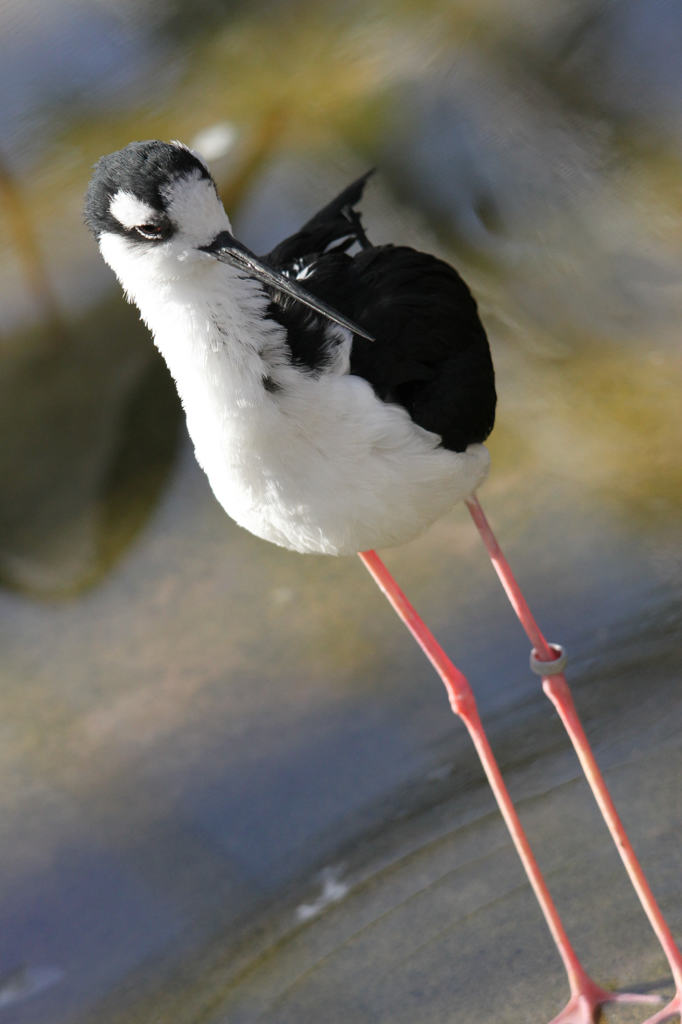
column 232, row 791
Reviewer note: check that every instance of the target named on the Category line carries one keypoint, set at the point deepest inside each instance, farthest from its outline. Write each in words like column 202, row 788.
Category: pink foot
column 583, row 1006
column 673, row 1009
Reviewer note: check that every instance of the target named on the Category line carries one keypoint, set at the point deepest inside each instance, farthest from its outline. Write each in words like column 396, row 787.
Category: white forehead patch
column 129, row 210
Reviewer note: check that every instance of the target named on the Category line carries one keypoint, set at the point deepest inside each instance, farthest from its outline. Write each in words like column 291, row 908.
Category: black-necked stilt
column 311, row 435
column 337, row 394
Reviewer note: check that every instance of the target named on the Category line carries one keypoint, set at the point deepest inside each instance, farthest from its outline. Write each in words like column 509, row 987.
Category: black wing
column 431, row 353
column 337, row 224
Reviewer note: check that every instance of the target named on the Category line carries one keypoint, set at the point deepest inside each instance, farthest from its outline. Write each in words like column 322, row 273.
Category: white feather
column 129, row 210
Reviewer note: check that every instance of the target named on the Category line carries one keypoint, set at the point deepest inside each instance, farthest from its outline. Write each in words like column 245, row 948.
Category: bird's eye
column 149, row 231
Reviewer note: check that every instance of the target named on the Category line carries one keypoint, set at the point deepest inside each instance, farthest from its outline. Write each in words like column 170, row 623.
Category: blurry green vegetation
column 299, row 78
column 91, row 429
column 310, row 80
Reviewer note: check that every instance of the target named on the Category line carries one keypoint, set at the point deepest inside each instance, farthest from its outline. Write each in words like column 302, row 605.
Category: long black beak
column 227, row 249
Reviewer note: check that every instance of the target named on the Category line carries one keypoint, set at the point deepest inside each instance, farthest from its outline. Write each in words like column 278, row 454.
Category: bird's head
column 155, row 211
column 151, row 207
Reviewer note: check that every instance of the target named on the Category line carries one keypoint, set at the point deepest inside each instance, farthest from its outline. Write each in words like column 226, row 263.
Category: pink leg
column 556, row 688
column 586, row 995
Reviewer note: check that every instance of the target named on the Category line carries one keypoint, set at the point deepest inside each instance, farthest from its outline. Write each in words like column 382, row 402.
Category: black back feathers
column 431, row 353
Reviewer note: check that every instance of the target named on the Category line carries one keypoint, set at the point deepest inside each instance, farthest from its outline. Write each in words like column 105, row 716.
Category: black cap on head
column 141, row 168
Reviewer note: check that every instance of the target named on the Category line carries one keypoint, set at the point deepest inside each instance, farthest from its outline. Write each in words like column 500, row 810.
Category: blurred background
column 232, row 790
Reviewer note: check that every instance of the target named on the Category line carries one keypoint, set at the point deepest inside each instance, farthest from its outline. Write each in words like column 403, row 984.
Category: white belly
column 327, row 467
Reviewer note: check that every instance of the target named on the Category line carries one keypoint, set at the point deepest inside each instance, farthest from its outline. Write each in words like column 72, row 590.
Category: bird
column 337, row 393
